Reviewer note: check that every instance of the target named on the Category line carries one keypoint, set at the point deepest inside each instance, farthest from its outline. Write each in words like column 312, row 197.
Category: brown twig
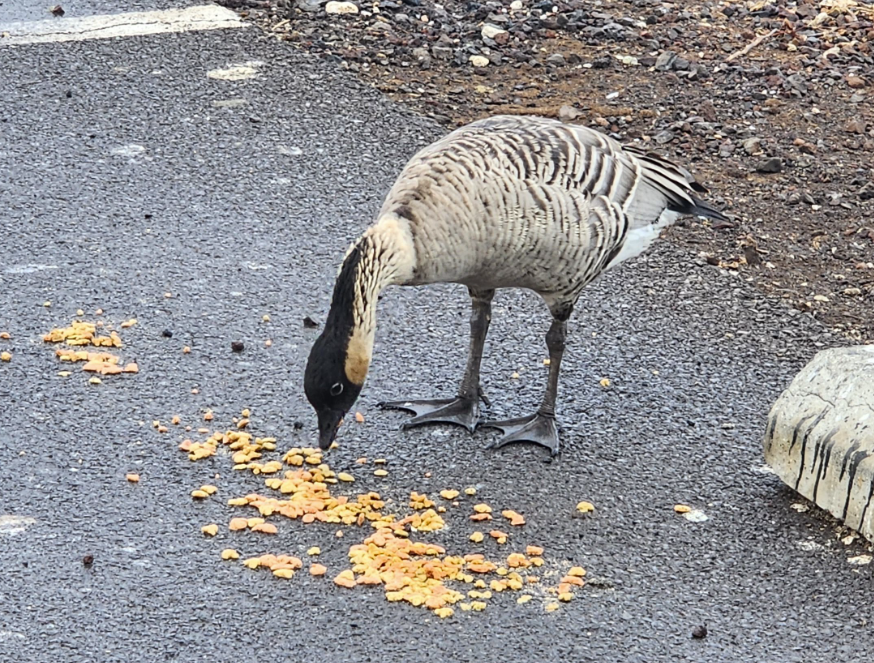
column 755, row 42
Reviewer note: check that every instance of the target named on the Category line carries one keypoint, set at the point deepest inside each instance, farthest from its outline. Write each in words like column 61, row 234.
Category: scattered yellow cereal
column 523, row 599
column 565, row 596
column 585, row 507
column 577, row 572
column 315, row 550
column 482, row 508
column 477, row 537
column 199, row 494
column 230, row 553
column 344, row 476
column 470, row 491
column 380, row 473
column 552, row 607
column 318, row 570
column 5, row 356
column 237, row 524
column 210, row 530
column 443, row 613
column 284, row 573
column 208, row 489
column 448, row 494
column 133, row 478
column 516, row 519
column 345, row 579
column 682, row 508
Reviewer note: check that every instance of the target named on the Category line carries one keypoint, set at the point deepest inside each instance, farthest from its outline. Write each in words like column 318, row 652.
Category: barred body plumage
column 504, row 202
column 533, row 203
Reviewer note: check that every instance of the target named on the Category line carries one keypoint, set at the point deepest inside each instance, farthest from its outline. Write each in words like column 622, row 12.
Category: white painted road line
column 204, row 17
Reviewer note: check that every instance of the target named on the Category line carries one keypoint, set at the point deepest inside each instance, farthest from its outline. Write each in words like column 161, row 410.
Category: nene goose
column 504, row 202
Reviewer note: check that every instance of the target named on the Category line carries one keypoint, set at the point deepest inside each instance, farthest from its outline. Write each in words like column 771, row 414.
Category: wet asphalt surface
column 120, row 181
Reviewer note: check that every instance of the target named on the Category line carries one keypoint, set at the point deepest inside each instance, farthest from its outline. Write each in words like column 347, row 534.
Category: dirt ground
column 768, row 102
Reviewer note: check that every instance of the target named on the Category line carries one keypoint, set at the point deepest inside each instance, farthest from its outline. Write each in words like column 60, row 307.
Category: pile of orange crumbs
column 299, row 487
column 81, row 333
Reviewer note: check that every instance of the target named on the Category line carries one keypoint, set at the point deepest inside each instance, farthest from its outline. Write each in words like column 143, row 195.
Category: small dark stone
column 699, row 632
column 665, row 61
column 57, row 10
column 772, row 165
column 237, row 346
column 167, row 333
column 298, row 425
column 88, row 560
column 309, row 323
column 69, row 93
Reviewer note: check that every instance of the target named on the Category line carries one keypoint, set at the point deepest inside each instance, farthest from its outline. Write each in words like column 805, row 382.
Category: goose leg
column 462, row 410
column 539, row 427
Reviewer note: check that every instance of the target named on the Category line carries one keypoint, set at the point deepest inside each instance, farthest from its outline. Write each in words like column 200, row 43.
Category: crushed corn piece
column 604, row 382
column 230, row 553
column 523, row 599
column 343, row 476
column 477, row 537
column 482, row 508
column 208, row 489
column 448, row 494
column 577, row 571
column 359, row 417
column 443, row 613
column 265, row 528
column 552, row 607
column 585, row 507
column 516, row 519
column 133, row 478
column 186, row 350
column 5, row 356
column 565, row 596
column 199, row 494
column 5, row 336
column 479, row 606
column 318, row 570
column 345, row 579
column 470, row 491
column 380, row 473
column 284, row 573
column 682, row 508
column 210, row 530
column 315, row 550
column 237, row 524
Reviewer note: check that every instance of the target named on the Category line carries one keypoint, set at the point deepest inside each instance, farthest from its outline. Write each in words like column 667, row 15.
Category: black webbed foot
column 536, row 428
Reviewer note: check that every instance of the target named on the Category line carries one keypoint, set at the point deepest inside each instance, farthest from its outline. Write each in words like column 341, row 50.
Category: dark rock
column 664, row 137
column 665, row 61
column 771, row 165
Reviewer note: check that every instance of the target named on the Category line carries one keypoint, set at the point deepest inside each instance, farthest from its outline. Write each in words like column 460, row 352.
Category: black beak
column 329, row 423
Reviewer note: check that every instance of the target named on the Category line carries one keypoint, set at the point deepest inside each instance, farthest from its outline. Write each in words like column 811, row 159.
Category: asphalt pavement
column 127, row 173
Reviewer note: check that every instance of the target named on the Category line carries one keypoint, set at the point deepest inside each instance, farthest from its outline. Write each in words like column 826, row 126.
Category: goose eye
column 336, row 389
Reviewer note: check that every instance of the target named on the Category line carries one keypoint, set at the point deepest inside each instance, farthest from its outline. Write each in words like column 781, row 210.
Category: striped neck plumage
column 383, row 256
